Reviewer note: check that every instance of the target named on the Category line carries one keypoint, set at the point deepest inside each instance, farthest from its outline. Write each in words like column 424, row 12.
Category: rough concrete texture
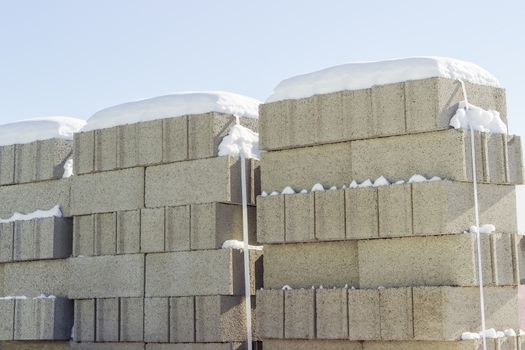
column 107, row 320
column 364, row 314
column 330, row 215
column 105, row 234
column 396, row 313
column 270, row 219
column 152, row 230
column 503, row 260
column 312, row 345
column 331, row 306
column 177, row 228
column 84, row 330
column 43, row 319
column 107, row 276
column 36, row 345
column 43, row 238
column 128, row 232
column 83, row 235
column 25, row 162
column 395, row 210
column 270, row 314
column 6, row 242
column 107, row 346
column 83, row 152
column 7, row 165
column 214, row 223
column 51, row 155
column 27, row 198
column 192, row 182
column 131, row 319
column 306, row 264
column 175, row 139
column 108, row 191
column 139, row 144
column 299, row 314
column 7, row 316
column 156, row 320
column 495, row 165
column 299, row 212
column 362, row 213
column 106, row 149
column 182, row 320
column 201, row 346
column 514, row 166
column 220, row 318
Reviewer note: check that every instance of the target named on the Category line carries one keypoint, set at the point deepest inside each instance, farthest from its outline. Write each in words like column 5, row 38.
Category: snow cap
column 174, row 105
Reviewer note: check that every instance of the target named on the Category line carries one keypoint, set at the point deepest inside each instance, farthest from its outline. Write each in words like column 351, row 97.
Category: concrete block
column 43, row 238
column 299, row 213
column 330, row 215
column 83, row 152
column 503, row 269
column 107, row 346
column 107, row 319
column 496, row 206
column 175, row 139
column 270, row 219
column 51, row 155
column 514, row 159
column 182, row 320
column 311, row 345
column 206, row 272
column 331, row 313
column 273, row 119
column 444, row 313
column 7, row 315
column 6, row 242
column 84, row 330
column 430, row 345
column 481, row 150
column 192, row 182
column 105, row 234
column 430, row 260
column 205, row 133
column 106, row 149
column 7, row 165
column 109, row 191
column 214, row 223
column 388, row 109
column 494, row 153
column 107, row 276
column 43, row 319
column 32, row 278
column 156, row 320
column 27, row 198
column 152, row 230
column 362, row 213
column 395, row 210
column 128, row 232
column 197, row 346
column 84, row 235
column 395, row 308
column 139, row 144
column 304, row 167
column 364, row 317
column 299, row 314
column 177, row 228
column 304, row 114
column 25, row 162
column 357, row 109
column 220, row 318
column 270, row 314
column 331, row 264
column 131, row 319
column 330, row 118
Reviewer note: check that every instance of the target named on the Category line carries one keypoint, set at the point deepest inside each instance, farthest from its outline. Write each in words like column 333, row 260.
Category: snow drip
column 239, row 245
column 490, row 333
column 53, row 212
column 240, row 141
column 68, row 168
column 477, row 118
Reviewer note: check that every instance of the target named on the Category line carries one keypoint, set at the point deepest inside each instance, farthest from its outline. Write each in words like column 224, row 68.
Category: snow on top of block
column 174, row 105
column 43, row 128
column 37, row 214
column 363, row 75
column 240, row 141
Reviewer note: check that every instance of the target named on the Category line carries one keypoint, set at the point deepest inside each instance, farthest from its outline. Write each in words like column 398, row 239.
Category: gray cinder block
column 214, row 223
column 331, row 313
column 139, row 144
column 286, row 344
column 6, row 241
column 270, row 313
column 128, row 232
column 331, row 118
column 25, row 162
column 388, row 109
column 270, row 219
column 84, row 235
column 197, row 346
column 51, row 155
column 105, row 234
column 364, row 318
column 106, row 149
column 131, row 319
column 330, row 215
column 503, row 264
column 7, row 165
column 306, row 264
column 107, row 276
column 220, row 318
column 395, row 308
column 83, row 152
column 182, row 320
column 84, row 330
column 514, row 159
column 105, row 346
column 494, row 152
column 177, row 228
column 156, row 320
column 152, row 230
column 395, row 210
column 362, row 213
column 108, row 191
column 196, row 181
column 7, row 315
column 299, row 314
column 299, row 213
column 43, row 319
column 175, row 139
column 107, row 319
column 273, row 123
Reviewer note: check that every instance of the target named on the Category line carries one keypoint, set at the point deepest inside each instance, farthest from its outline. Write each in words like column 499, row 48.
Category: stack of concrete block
column 392, row 266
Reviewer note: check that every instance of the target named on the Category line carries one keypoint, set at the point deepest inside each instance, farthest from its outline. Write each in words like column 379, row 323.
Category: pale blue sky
column 63, row 57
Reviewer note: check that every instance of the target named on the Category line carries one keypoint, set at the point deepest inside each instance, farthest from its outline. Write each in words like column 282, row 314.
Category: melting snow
column 174, row 105
column 480, row 119
column 381, row 181
column 240, row 141
column 366, row 183
column 45, row 296
column 288, row 190
column 53, row 212
column 235, row 244
column 318, row 188
column 487, row 228
column 68, row 168
column 17, row 297
column 286, row 287
column 363, row 75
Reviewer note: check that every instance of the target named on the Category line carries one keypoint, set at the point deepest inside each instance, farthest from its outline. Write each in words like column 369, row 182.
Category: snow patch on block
column 53, row 212
column 479, row 118
column 240, row 141
column 239, row 245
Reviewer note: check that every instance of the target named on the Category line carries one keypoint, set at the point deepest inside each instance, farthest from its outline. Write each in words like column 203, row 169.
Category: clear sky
column 63, row 57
